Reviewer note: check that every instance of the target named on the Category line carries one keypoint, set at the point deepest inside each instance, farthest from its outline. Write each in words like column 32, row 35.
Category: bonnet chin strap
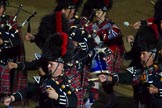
column 153, row 53
column 55, row 70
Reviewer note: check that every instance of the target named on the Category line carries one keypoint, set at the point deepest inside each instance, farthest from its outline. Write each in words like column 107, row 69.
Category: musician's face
column 69, row 13
column 147, row 58
column 1, row 10
column 100, row 15
column 55, row 68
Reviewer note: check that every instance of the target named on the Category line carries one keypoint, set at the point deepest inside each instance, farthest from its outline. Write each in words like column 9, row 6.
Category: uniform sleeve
column 26, row 93
column 28, row 65
column 125, row 77
column 108, row 85
column 159, row 85
column 156, row 80
column 160, row 92
column 33, row 65
column 68, row 99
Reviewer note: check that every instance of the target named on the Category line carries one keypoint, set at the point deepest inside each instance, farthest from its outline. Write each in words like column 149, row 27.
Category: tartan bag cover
column 20, row 80
column 78, row 84
column 4, row 80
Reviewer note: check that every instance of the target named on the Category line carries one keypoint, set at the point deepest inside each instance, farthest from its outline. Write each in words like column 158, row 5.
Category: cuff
column 160, row 92
column 62, row 100
column 115, row 78
column 33, row 39
column 18, row 96
column 21, row 66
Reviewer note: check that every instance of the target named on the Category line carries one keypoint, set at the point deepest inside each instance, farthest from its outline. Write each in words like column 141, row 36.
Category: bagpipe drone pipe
column 10, row 35
column 10, row 42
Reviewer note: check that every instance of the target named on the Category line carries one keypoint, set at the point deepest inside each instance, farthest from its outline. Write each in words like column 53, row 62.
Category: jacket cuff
column 115, row 78
column 62, row 100
column 160, row 92
column 33, row 39
column 18, row 96
column 21, row 66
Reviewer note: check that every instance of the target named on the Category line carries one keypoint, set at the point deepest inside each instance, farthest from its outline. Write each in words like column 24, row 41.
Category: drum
column 98, row 64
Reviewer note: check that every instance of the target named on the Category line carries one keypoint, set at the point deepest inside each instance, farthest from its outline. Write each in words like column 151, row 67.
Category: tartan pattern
column 81, row 94
column 76, row 83
column 20, row 80
column 75, row 78
column 4, row 80
column 114, row 60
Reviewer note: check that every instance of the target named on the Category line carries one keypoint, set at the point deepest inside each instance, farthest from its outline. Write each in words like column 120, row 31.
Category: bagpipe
column 146, row 76
column 82, row 29
column 82, row 32
column 79, row 34
column 12, row 20
column 10, row 30
column 60, row 85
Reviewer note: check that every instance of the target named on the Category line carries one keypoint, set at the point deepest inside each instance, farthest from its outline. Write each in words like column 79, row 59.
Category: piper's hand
column 1, row 41
column 41, row 72
column 160, row 52
column 102, row 77
column 83, row 46
column 152, row 89
column 12, row 65
column 137, row 25
column 7, row 100
column 52, row 94
column 130, row 39
column 29, row 37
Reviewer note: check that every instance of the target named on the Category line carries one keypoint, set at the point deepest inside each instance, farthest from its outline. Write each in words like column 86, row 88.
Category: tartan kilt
column 4, row 80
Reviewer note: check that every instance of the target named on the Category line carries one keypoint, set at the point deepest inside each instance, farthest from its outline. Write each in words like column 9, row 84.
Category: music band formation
column 81, row 57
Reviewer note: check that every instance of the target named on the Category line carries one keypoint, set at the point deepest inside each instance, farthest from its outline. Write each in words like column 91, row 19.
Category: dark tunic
column 66, row 99
column 141, row 79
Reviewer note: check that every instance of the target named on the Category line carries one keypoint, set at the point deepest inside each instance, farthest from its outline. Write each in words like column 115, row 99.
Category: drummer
column 108, row 55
